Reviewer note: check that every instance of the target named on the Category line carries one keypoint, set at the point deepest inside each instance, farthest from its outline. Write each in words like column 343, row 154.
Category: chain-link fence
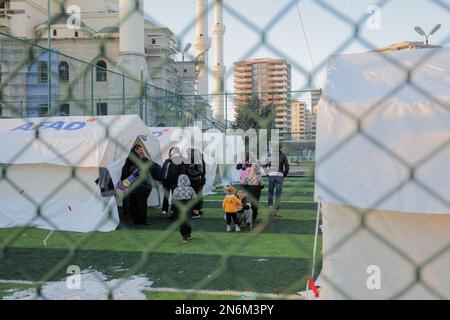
column 87, row 214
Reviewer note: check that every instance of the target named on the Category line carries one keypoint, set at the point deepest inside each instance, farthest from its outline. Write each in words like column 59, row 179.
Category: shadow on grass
column 217, row 224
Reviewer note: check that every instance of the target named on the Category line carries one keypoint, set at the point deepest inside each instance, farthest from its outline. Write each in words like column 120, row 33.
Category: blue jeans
column 275, row 184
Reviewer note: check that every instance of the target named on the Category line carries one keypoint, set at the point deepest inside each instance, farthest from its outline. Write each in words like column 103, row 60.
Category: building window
column 102, row 109
column 153, row 41
column 41, row 110
column 76, row 34
column 1, row 111
column 100, row 70
column 54, row 32
column 42, row 72
column 185, row 70
column 64, row 110
column 63, row 71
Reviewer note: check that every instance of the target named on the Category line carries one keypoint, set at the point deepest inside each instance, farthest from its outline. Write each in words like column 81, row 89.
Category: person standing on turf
column 183, row 196
column 231, row 205
column 165, row 182
column 141, row 188
column 196, row 171
column 125, row 172
column 279, row 169
column 254, row 184
column 176, row 167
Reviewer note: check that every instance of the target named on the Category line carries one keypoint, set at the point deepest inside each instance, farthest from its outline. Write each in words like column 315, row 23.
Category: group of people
column 181, row 177
column 184, row 177
column 241, row 208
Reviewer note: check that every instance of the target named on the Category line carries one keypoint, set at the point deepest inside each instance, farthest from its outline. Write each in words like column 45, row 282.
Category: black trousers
column 166, row 189
column 254, row 194
column 232, row 217
column 197, row 185
column 179, row 207
column 126, row 205
column 138, row 206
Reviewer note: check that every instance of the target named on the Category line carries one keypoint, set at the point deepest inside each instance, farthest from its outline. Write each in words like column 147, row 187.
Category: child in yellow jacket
column 231, row 205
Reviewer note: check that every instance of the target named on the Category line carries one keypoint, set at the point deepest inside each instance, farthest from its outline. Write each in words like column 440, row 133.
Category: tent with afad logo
column 222, row 151
column 51, row 168
column 382, row 175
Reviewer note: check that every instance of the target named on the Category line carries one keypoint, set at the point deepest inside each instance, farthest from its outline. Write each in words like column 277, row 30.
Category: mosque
column 102, row 52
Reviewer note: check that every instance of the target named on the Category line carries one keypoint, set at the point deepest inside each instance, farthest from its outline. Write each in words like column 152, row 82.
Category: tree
column 254, row 115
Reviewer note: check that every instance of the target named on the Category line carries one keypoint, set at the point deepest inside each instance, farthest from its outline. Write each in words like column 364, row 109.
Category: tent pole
column 316, row 234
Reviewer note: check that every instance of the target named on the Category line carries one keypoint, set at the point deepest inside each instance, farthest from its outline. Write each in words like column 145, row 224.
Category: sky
column 305, row 32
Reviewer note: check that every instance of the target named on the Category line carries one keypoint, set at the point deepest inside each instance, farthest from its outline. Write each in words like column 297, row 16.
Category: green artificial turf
column 274, row 258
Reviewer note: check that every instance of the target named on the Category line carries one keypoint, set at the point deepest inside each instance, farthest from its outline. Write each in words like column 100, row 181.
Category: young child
column 231, row 205
column 182, row 199
column 245, row 215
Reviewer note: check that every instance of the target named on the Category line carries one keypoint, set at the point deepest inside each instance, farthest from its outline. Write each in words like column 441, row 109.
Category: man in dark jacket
column 196, row 171
column 279, row 169
column 165, row 183
column 172, row 168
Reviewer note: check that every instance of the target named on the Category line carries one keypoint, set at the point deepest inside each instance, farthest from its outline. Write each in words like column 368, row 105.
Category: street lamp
column 186, row 48
column 420, row 31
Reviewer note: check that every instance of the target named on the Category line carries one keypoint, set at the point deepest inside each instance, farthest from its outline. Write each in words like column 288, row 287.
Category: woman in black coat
column 196, row 171
column 175, row 166
column 140, row 189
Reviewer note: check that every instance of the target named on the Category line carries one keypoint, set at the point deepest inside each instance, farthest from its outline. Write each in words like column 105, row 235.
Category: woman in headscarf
column 141, row 188
column 254, row 184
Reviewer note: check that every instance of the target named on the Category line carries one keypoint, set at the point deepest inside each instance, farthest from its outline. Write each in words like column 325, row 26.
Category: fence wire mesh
column 54, row 70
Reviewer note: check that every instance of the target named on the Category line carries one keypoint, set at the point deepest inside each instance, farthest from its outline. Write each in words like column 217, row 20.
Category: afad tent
column 221, row 151
column 382, row 175
column 50, row 168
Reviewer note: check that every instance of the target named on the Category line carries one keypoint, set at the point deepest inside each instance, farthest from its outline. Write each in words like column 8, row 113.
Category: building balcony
column 277, row 73
column 238, row 73
column 269, row 79
column 281, row 86
column 243, row 68
column 243, row 85
column 280, row 65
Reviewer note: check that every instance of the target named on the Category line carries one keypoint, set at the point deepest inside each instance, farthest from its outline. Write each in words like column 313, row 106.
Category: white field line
column 48, row 237
column 176, row 290
column 229, row 293
column 18, row 282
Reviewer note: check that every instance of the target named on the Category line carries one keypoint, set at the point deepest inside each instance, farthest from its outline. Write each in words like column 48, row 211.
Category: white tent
column 365, row 171
column 53, row 163
column 212, row 143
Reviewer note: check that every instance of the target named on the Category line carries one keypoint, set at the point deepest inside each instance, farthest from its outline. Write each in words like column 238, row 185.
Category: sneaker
column 250, row 227
column 238, row 229
column 189, row 237
column 164, row 213
column 184, row 240
column 277, row 214
column 195, row 216
column 228, row 228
